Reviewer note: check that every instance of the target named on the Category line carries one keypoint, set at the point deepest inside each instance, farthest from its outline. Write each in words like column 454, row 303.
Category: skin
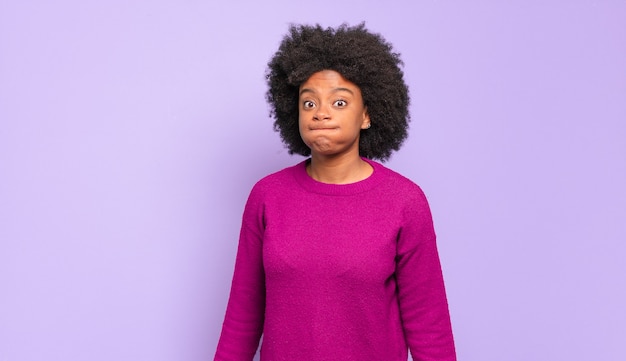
column 331, row 117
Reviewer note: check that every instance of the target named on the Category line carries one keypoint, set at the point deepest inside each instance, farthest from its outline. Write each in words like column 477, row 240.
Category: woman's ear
column 367, row 123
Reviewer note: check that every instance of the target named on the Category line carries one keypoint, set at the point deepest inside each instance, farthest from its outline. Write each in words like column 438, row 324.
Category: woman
column 337, row 257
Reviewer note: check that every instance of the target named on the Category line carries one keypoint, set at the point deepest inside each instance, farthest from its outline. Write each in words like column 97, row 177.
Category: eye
column 340, row 103
column 307, row 104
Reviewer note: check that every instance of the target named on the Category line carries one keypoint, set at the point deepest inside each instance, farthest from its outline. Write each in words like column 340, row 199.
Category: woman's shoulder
column 394, row 179
column 399, row 189
column 405, row 194
column 278, row 180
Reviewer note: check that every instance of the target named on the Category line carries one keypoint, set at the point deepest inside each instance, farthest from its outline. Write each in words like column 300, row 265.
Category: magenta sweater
column 330, row 272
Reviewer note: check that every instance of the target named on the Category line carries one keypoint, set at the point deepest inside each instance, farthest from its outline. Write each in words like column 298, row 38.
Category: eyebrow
column 335, row 90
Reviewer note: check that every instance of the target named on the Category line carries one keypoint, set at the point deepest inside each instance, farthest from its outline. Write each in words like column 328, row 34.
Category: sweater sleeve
column 243, row 323
column 421, row 293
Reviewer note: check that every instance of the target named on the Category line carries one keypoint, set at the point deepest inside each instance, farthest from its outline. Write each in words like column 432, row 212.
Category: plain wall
column 132, row 131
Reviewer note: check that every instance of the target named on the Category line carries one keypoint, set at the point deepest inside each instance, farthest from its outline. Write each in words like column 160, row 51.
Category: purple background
column 132, row 131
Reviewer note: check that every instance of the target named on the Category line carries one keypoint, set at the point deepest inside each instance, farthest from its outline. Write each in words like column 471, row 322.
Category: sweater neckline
column 314, row 186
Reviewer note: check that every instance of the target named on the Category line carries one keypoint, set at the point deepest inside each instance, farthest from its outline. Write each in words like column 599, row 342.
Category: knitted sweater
column 329, row 272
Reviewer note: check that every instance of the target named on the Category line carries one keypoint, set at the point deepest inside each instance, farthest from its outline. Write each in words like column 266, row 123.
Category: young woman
column 337, row 257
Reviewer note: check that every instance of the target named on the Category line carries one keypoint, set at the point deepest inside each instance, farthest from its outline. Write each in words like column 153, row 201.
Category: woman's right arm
column 243, row 323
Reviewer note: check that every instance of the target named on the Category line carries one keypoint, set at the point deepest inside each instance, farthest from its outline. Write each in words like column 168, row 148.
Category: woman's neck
column 338, row 170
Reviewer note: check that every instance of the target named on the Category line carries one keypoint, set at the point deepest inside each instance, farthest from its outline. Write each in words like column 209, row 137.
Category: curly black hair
column 361, row 57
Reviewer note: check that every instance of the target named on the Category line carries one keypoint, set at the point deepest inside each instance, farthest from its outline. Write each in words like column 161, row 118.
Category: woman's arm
column 243, row 323
column 421, row 292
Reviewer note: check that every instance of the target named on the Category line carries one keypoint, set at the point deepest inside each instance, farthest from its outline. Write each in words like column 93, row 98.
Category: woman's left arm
column 421, row 292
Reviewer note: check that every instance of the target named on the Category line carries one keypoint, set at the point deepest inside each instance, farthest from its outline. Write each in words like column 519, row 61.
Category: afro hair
column 362, row 57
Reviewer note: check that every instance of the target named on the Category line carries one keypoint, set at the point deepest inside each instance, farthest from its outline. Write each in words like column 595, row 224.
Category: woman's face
column 331, row 114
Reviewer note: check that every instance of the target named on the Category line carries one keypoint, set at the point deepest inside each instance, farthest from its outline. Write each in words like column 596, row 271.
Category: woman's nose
column 321, row 113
